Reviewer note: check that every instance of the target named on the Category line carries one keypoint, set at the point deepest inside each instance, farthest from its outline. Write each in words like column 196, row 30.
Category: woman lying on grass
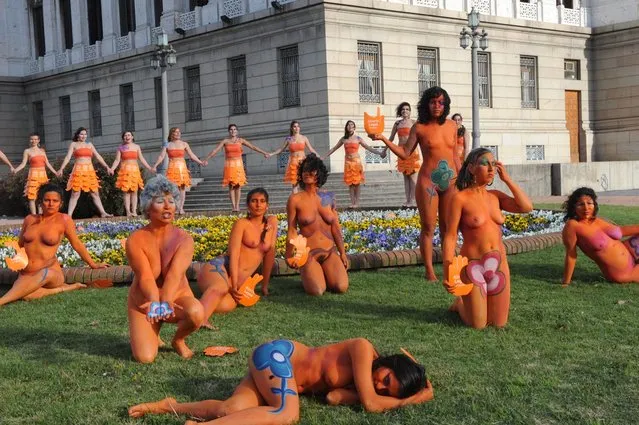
column 348, row 372
column 599, row 239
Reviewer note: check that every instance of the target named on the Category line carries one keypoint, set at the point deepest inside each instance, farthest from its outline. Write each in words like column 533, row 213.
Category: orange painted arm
column 569, row 238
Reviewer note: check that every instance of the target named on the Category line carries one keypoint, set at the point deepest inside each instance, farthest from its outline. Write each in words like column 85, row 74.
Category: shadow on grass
column 53, row 346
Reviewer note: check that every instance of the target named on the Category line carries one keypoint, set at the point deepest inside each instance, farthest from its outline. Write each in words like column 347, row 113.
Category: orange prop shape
column 300, row 252
column 219, row 350
column 454, row 285
column 374, row 125
column 18, row 261
column 247, row 290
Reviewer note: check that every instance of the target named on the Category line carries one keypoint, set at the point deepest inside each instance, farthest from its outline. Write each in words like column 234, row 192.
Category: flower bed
column 364, row 231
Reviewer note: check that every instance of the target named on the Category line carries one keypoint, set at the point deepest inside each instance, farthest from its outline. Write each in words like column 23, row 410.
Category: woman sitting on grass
column 252, row 240
column 347, row 372
column 476, row 211
column 159, row 254
column 599, row 239
column 40, row 237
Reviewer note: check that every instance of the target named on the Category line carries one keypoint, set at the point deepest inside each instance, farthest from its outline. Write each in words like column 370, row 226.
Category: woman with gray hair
column 159, row 254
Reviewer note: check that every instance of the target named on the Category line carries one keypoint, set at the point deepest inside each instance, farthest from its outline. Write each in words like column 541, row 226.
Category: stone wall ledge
column 365, row 261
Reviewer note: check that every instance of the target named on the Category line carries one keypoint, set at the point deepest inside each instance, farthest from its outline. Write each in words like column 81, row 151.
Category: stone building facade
column 553, row 87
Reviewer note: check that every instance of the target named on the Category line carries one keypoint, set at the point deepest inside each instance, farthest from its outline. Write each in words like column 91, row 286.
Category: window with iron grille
column 38, row 120
column 494, row 149
column 193, row 94
column 528, row 66
column 571, row 70
column 65, row 118
column 427, row 68
column 157, row 88
column 370, row 72
column 289, row 68
column 95, row 113
column 127, row 17
column 483, row 74
column 371, row 158
column 38, row 30
column 535, row 153
column 127, row 107
column 238, row 98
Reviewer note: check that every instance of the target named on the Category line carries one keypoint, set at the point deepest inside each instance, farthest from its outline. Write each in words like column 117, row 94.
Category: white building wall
column 607, row 12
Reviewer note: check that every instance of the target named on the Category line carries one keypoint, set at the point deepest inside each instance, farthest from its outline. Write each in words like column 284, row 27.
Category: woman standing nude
column 437, row 139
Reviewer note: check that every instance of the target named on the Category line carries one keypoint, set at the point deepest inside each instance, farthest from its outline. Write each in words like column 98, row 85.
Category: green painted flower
column 442, row 175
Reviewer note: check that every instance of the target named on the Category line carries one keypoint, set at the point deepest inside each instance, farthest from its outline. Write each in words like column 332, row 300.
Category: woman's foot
column 182, row 349
column 72, row 287
column 209, row 325
column 106, row 215
column 157, row 407
column 431, row 277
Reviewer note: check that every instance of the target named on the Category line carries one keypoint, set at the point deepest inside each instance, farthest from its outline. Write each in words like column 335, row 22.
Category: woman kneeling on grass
column 159, row 254
column 600, row 240
column 348, row 372
column 40, row 237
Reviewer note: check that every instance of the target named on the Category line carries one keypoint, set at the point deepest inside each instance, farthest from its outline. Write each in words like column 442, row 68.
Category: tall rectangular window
column 427, row 69
column 127, row 16
column 289, row 67
column 127, row 107
column 157, row 10
column 528, row 65
column 38, row 30
column 94, row 14
column 95, row 113
column 38, row 120
column 370, row 71
column 237, row 88
column 67, row 23
column 65, row 118
column 483, row 74
column 193, row 94
column 571, row 69
column 157, row 85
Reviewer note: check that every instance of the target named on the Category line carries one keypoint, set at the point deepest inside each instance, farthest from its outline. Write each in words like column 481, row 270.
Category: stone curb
column 123, row 274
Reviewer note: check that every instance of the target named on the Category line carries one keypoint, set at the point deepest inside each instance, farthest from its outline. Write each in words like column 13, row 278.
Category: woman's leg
column 144, row 335
column 134, row 203
column 73, row 202
column 335, row 273
column 356, row 193
column 413, row 184
column 427, row 202
column 312, row 275
column 444, row 200
column 407, row 192
column 232, row 197
column 295, row 188
column 499, row 303
column 351, row 193
column 189, row 316
column 214, row 285
column 238, row 196
column 98, row 204
column 30, row 287
column 183, row 198
column 127, row 204
column 245, row 396
column 32, row 206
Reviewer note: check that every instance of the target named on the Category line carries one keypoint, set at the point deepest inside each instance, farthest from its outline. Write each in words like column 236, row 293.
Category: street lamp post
column 470, row 36
column 162, row 58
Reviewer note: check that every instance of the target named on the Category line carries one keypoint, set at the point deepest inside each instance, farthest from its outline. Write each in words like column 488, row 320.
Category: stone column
column 50, row 32
column 143, row 24
column 110, row 26
column 170, row 10
column 80, row 30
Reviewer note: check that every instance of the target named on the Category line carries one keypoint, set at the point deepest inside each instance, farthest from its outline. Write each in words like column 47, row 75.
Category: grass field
column 568, row 355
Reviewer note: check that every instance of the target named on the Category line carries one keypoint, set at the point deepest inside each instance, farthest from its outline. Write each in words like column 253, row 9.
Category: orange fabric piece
column 234, row 174
column 233, row 150
column 410, row 165
column 83, row 178
column 175, row 153
column 296, row 147
column 351, row 148
column 36, row 178
column 219, row 351
column 129, row 178
column 83, row 153
column 374, row 124
column 353, row 172
column 290, row 176
column 178, row 172
column 129, row 155
column 20, row 260
column 37, row 161
column 403, row 131
column 247, row 290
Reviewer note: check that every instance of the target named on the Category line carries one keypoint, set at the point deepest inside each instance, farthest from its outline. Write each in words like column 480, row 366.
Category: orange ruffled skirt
column 291, row 170
column 353, row 172
column 178, row 172
column 234, row 174
column 36, row 178
column 83, row 178
column 129, row 177
column 410, row 165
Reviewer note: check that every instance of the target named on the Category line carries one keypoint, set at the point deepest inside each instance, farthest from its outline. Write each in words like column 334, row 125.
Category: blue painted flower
column 442, row 175
column 275, row 355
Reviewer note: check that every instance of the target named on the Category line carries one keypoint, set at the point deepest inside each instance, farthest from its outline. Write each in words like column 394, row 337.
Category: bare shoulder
column 272, row 220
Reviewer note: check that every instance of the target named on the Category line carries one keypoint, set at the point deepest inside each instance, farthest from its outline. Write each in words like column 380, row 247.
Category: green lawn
column 568, row 356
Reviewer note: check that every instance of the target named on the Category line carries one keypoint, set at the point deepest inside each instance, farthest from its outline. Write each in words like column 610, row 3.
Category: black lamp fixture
column 180, row 31
column 277, row 5
column 226, row 19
